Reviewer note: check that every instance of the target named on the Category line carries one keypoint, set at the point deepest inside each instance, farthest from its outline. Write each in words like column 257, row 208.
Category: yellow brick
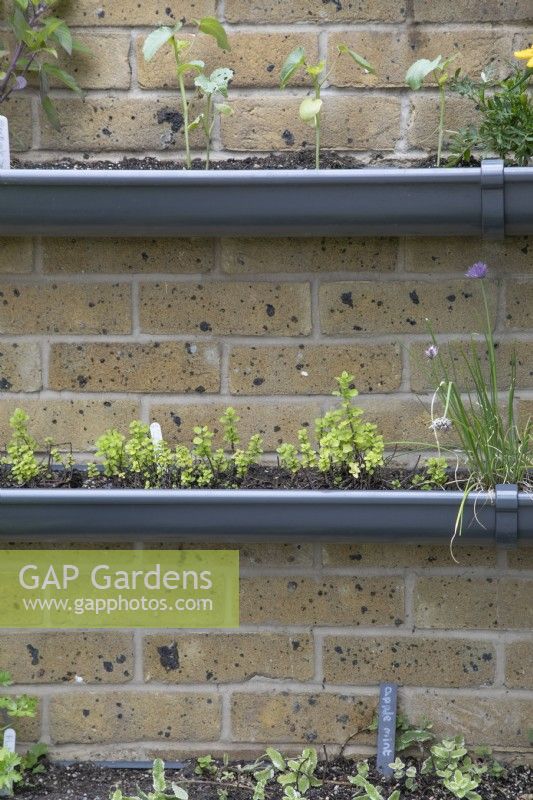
column 252, row 555
column 128, row 255
column 519, row 306
column 118, row 123
column 59, row 308
column 443, row 11
column 298, row 717
column 53, row 657
column 20, row 367
column 322, row 601
column 484, row 720
column 522, row 557
column 151, row 367
column 408, row 661
column 424, row 118
column 254, row 309
column 18, row 113
column 76, row 422
column 398, row 307
column 90, row 717
column 275, row 422
column 255, row 58
column 403, row 556
column 16, row 255
column 309, row 255
column 392, row 52
column 367, row 122
column 223, row 658
column 456, row 254
column 393, row 415
column 106, row 66
column 272, row 11
column 519, row 665
column 473, row 603
column 311, row 369
column 132, row 12
column 454, row 354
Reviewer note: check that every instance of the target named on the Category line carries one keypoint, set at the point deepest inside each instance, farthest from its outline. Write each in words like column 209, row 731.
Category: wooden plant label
column 388, row 701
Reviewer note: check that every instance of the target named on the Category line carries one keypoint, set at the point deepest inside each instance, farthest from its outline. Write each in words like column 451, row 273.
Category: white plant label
column 10, row 739
column 156, row 433
column 5, row 160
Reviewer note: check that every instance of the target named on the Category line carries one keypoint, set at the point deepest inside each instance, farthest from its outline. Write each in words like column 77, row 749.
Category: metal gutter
column 491, row 201
column 505, row 516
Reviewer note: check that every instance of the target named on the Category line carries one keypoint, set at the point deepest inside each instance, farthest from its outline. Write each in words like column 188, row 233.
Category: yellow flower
column 527, row 55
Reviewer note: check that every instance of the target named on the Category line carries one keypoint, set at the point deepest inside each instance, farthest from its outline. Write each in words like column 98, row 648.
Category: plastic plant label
column 388, row 700
column 119, row 589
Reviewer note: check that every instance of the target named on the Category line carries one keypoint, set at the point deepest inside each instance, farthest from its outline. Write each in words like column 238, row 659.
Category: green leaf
column 180, row 792
column 291, row 65
column 5, row 678
column 62, row 76
column 156, row 40
column 310, row 109
column 212, row 27
column 192, row 126
column 316, row 69
column 360, row 60
column 190, row 66
column 64, row 37
column 23, row 4
column 414, row 77
column 50, row 111
column 224, row 109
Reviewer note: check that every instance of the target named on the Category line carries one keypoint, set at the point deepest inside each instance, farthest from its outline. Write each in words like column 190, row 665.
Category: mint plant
column 311, row 107
column 209, row 87
column 38, row 36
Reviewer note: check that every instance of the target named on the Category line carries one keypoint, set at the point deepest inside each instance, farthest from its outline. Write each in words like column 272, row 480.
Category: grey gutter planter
column 491, row 201
column 243, row 515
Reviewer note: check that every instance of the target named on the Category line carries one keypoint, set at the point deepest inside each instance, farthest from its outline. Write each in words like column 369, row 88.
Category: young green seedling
column 184, row 64
column 438, row 68
column 311, row 107
column 209, row 87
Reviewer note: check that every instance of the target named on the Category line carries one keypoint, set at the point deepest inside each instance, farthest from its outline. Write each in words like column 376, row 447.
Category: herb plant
column 495, row 448
column 505, row 108
column 348, row 448
column 438, row 70
column 13, row 766
column 209, row 86
column 311, row 107
column 139, row 460
column 161, row 791
column 37, row 36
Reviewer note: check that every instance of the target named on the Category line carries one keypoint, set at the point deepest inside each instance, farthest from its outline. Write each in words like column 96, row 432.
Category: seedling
column 438, row 68
column 209, row 87
column 311, row 107
column 185, row 65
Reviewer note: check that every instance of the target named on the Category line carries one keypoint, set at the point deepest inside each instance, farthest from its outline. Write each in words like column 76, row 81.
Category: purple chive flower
column 432, row 352
column 477, row 270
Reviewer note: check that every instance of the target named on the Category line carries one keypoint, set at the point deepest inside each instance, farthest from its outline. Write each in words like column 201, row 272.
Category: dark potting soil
column 259, row 476
column 304, row 159
column 89, row 781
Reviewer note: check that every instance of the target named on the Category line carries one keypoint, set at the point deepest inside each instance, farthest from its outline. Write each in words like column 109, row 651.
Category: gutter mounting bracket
column 492, row 199
column 507, row 514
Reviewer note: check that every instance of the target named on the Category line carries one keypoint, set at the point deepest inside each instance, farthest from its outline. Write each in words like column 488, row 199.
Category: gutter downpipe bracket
column 493, row 199
column 507, row 514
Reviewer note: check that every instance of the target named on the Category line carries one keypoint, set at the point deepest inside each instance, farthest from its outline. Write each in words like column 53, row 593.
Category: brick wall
column 94, row 333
